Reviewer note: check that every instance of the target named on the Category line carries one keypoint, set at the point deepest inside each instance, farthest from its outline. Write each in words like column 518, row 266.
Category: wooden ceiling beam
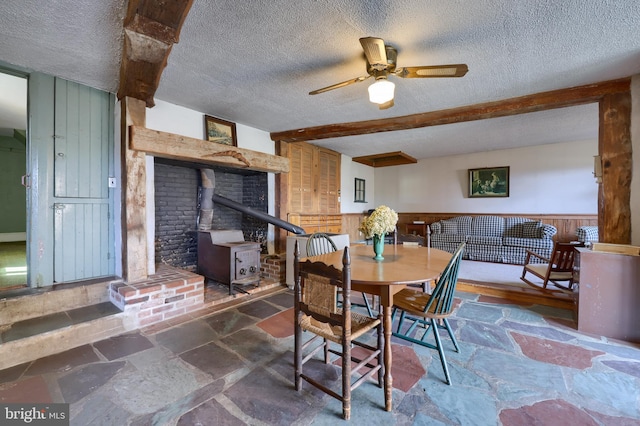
column 524, row 104
column 151, row 28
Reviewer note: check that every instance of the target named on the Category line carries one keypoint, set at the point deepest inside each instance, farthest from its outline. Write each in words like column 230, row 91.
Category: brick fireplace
column 150, row 296
column 175, row 289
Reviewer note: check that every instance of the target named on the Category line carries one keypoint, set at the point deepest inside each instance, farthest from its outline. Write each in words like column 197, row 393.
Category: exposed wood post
column 614, row 145
column 134, row 195
column 281, row 201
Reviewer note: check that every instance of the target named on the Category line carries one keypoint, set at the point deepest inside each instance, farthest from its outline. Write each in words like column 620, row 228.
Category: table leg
column 388, row 380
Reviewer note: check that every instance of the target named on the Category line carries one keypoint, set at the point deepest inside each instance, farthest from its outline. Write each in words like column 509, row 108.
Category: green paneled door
column 82, row 159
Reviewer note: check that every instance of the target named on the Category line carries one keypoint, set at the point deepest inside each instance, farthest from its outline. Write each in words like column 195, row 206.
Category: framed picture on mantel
column 220, row 131
column 489, row 182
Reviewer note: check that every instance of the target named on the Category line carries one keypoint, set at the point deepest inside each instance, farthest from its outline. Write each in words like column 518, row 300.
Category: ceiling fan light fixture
column 381, row 91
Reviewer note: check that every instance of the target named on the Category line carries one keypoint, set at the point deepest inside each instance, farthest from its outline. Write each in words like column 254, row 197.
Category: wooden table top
column 401, row 264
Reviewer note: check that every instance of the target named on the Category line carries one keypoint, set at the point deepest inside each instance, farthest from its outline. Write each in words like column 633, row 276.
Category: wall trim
column 13, row 236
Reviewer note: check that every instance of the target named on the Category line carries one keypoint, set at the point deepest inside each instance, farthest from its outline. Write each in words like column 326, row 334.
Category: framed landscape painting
column 220, row 131
column 489, row 182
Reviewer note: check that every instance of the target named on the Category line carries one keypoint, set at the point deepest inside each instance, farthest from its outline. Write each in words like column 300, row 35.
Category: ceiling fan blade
column 375, row 52
column 453, row 70
column 386, row 105
column 339, row 85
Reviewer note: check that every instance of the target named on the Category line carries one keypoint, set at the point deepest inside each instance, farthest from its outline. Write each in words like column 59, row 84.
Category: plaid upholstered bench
column 493, row 238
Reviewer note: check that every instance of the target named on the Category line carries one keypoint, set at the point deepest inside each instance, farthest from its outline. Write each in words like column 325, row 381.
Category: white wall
column 544, row 179
column 350, row 170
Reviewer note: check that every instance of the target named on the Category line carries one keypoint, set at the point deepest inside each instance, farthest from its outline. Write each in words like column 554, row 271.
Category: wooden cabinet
column 609, row 294
column 301, row 196
column 328, row 179
column 318, row 222
column 314, row 180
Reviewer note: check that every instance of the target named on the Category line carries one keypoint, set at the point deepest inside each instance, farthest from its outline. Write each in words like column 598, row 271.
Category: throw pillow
column 531, row 229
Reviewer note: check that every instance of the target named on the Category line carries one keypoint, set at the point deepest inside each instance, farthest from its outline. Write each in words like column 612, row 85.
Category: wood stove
column 225, row 257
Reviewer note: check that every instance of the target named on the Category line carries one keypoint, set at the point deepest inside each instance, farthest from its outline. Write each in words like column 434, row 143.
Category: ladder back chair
column 556, row 270
column 315, row 294
column 320, row 243
column 429, row 310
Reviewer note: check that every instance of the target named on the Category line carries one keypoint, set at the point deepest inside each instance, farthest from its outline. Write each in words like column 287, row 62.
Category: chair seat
column 360, row 324
column 541, row 270
column 414, row 302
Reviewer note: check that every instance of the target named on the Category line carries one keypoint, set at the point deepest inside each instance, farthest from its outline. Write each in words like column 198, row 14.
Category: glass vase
column 378, row 246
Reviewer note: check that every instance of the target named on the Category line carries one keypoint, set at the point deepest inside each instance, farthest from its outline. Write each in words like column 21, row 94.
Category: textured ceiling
column 255, row 62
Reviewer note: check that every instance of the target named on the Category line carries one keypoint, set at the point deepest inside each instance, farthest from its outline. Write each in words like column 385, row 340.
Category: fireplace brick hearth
column 169, row 293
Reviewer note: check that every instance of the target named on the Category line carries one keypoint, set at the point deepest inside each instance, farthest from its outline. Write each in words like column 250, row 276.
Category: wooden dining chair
column 316, row 287
column 557, row 270
column 320, row 243
column 429, row 310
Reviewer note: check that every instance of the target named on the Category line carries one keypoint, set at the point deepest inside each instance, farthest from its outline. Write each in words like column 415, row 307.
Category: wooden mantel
column 176, row 147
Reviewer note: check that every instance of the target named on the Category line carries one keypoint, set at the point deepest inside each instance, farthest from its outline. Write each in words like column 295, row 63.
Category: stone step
column 23, row 304
column 33, row 338
column 43, row 321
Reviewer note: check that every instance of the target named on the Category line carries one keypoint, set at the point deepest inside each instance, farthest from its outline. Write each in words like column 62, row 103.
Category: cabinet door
column 328, row 182
column 301, row 178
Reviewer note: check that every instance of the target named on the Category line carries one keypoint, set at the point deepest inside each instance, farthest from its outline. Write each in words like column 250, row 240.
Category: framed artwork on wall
column 220, row 131
column 489, row 182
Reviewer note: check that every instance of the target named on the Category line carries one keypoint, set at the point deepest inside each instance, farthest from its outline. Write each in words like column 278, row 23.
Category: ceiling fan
column 381, row 63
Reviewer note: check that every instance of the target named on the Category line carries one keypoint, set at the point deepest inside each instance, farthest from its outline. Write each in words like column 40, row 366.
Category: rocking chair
column 555, row 270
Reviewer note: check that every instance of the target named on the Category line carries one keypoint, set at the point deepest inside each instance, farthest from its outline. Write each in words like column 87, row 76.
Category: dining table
column 402, row 265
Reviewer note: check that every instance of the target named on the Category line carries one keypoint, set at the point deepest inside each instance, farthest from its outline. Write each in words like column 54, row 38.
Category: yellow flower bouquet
column 381, row 221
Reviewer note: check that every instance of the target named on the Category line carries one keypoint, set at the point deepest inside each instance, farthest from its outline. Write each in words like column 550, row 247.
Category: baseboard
column 10, row 237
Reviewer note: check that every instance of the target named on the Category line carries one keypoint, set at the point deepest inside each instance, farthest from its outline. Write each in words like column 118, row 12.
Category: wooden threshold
column 519, row 294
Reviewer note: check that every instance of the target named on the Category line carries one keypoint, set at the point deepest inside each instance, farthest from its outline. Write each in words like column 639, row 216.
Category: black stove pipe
column 259, row 215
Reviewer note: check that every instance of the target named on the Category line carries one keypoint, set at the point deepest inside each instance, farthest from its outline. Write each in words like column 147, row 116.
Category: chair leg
column 381, row 354
column 326, row 351
column 297, row 357
column 400, row 321
column 346, row 380
column 443, row 359
column 367, row 305
column 453, row 338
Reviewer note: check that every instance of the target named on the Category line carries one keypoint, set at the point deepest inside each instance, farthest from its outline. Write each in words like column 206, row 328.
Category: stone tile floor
column 518, row 365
